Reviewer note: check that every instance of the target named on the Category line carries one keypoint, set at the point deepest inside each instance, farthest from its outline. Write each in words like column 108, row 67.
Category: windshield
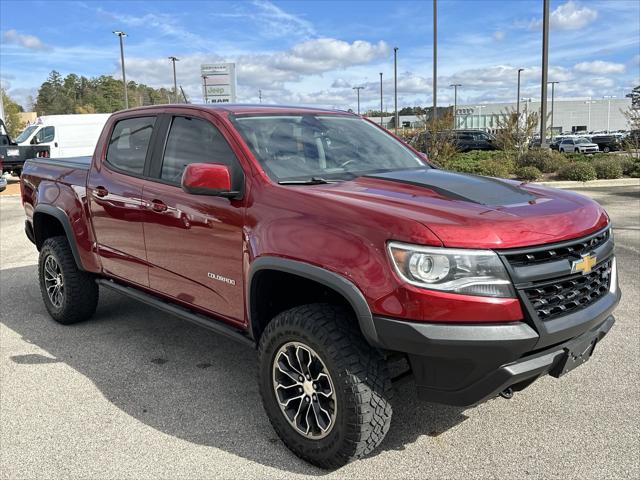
column 332, row 147
column 582, row 140
column 26, row 133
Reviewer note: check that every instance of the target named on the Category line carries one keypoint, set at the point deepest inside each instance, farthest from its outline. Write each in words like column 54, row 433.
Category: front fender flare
column 320, row 275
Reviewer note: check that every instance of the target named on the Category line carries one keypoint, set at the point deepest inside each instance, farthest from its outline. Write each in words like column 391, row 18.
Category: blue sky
column 315, row 52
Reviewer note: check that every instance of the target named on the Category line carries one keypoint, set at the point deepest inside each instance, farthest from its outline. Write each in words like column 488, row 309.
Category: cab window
column 129, row 143
column 192, row 140
column 45, row 135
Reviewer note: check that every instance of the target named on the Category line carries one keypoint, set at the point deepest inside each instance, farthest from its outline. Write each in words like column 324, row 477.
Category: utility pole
column 395, row 89
column 381, row 99
column 175, row 83
column 260, row 95
column 124, row 78
column 455, row 103
column 553, row 84
column 545, row 69
column 589, row 102
column 609, row 97
column 518, row 97
column 357, row 89
column 435, row 60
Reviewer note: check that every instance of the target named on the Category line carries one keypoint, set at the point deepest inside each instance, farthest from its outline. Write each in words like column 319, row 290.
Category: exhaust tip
column 507, row 393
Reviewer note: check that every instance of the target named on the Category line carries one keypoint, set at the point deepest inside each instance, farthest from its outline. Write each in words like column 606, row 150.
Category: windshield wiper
column 307, row 181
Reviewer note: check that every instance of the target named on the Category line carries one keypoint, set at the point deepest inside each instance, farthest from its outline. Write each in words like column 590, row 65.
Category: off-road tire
column 80, row 293
column 359, row 374
column 606, row 149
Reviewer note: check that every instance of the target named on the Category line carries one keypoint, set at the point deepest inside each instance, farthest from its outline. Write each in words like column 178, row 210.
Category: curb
column 617, row 182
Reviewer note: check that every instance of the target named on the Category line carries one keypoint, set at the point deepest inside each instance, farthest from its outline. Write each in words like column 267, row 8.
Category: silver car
column 578, row 145
column 3, row 183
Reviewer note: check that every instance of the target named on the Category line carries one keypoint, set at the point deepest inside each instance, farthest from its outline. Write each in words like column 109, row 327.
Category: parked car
column 554, row 144
column 3, row 181
column 608, row 143
column 466, row 140
column 577, row 145
column 334, row 249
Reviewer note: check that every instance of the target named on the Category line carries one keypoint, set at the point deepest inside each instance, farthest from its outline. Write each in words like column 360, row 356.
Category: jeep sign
column 218, row 82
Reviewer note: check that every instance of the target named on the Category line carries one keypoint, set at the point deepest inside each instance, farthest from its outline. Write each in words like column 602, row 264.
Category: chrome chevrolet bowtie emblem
column 584, row 265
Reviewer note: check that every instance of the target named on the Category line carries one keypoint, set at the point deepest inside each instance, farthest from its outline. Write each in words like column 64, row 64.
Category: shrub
column 607, row 168
column 628, row 164
column 546, row 161
column 498, row 167
column 578, row 171
column 529, row 174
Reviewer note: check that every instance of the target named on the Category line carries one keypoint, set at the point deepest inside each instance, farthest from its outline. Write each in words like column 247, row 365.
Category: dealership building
column 589, row 115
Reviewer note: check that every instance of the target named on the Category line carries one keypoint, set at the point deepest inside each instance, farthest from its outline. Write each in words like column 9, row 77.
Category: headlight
column 470, row 272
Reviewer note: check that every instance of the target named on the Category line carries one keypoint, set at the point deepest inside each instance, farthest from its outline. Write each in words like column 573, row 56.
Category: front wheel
column 577, row 150
column 606, row 149
column 325, row 390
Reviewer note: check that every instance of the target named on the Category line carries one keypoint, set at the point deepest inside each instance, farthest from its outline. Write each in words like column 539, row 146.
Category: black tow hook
column 507, row 393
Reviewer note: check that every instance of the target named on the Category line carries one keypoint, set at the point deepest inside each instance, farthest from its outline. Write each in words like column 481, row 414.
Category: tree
column 634, row 95
column 12, row 117
column 515, row 133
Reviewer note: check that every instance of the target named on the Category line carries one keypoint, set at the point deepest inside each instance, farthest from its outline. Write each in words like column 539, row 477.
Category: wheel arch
column 266, row 267
column 50, row 221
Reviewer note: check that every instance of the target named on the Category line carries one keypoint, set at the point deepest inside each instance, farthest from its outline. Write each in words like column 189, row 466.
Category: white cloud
column 568, row 16
column 498, row 35
column 275, row 22
column 599, row 66
column 340, row 83
column 27, row 41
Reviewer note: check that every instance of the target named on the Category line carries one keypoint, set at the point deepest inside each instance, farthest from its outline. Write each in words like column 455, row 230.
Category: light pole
column 545, row 68
column 124, row 78
column 435, row 60
column 553, row 84
column 455, row 103
column 589, row 102
column 608, row 97
column 260, row 95
column 380, row 98
column 479, row 107
column 518, row 96
column 175, row 83
column 395, row 89
column 357, row 89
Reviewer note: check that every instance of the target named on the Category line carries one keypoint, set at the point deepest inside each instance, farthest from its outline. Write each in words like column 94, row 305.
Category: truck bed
column 81, row 163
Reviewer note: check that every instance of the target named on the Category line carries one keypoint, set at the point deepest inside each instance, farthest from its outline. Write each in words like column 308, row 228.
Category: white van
column 65, row 135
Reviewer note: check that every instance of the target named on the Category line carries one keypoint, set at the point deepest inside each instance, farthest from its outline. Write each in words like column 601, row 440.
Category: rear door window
column 192, row 140
column 129, row 143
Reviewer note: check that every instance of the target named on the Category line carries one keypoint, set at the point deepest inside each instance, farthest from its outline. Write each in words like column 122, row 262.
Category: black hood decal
column 459, row 186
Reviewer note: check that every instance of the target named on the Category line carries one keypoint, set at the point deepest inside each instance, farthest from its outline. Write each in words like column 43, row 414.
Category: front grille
column 569, row 250
column 561, row 296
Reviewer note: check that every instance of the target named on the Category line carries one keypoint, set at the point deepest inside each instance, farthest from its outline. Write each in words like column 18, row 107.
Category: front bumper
column 467, row 364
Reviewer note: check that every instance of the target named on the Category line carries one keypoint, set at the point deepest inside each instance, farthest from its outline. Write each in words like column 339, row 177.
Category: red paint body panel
column 213, row 176
column 342, row 227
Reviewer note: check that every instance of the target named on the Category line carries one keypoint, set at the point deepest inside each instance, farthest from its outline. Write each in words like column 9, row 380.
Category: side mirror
column 208, row 179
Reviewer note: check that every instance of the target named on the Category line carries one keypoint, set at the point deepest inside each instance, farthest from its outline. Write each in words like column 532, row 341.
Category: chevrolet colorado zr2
column 336, row 250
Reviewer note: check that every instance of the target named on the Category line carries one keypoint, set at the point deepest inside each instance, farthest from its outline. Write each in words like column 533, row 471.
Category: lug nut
column 300, row 389
column 306, row 399
column 315, row 386
column 301, row 378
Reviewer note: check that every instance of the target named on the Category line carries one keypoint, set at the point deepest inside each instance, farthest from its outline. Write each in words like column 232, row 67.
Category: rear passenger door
column 195, row 242
column 114, row 189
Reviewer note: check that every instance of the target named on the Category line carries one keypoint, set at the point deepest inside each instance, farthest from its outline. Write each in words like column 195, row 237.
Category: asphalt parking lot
column 135, row 393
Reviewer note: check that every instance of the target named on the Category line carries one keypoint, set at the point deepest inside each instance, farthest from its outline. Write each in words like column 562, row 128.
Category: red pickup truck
column 335, row 249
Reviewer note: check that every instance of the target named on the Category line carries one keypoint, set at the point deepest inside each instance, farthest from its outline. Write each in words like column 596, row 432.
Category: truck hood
column 470, row 211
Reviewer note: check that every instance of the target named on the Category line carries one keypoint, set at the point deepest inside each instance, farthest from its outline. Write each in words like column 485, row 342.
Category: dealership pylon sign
column 218, row 82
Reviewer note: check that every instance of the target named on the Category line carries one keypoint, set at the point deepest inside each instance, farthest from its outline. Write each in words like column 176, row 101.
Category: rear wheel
column 325, row 390
column 606, row 149
column 69, row 294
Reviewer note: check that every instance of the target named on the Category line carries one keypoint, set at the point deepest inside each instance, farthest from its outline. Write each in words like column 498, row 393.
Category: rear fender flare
column 62, row 217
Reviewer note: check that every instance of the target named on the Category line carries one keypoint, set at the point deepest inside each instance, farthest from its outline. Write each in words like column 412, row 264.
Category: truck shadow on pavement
column 180, row 379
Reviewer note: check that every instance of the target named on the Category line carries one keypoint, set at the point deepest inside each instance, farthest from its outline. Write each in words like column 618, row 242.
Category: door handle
column 158, row 206
column 101, row 192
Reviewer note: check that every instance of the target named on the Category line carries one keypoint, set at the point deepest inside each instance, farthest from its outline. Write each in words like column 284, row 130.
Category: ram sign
column 218, row 82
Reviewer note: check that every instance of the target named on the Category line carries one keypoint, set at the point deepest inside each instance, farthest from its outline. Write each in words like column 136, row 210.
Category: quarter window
column 129, row 144
column 192, row 140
